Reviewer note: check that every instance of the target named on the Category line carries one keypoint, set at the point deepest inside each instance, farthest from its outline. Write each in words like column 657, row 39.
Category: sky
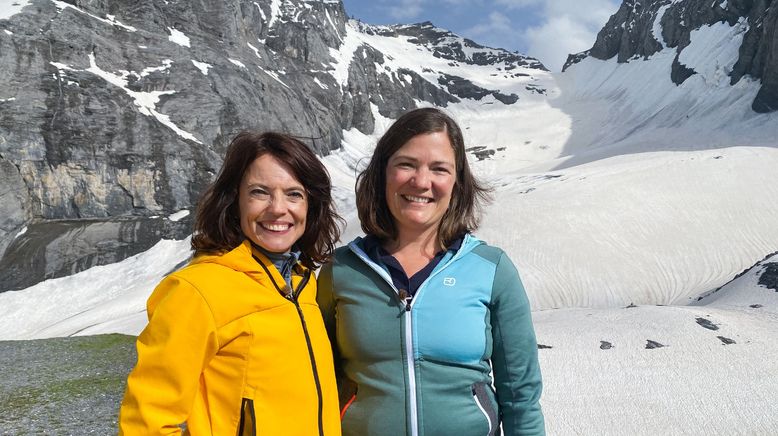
column 548, row 30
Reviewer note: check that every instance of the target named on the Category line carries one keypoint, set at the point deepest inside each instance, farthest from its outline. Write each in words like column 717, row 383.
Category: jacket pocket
column 347, row 394
column 482, row 395
column 248, row 422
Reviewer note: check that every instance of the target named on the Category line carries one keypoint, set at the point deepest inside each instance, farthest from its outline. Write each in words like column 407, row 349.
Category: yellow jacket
column 226, row 353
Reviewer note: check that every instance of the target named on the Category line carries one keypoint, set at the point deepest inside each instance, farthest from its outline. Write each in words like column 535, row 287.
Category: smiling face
column 420, row 177
column 273, row 205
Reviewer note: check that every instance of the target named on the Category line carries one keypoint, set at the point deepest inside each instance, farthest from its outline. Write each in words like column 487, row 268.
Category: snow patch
column 329, row 19
column 97, row 300
column 8, row 32
column 656, row 30
column 254, row 49
column 202, row 66
column 111, row 19
column 237, row 62
column 21, row 232
column 344, row 55
column 275, row 11
column 166, row 63
column 321, row 85
column 261, row 12
column 274, row 76
column 179, row 215
column 145, row 101
column 9, row 8
column 178, row 37
column 714, row 50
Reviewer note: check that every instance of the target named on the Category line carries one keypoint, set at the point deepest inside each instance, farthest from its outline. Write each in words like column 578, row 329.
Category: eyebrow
column 413, row 159
column 263, row 186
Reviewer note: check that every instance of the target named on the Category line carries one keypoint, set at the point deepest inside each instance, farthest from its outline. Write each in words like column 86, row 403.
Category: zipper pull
column 405, row 297
column 287, row 292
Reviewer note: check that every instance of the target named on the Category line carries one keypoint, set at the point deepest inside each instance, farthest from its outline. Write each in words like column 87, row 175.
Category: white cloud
column 556, row 38
column 566, row 27
column 497, row 22
column 407, row 9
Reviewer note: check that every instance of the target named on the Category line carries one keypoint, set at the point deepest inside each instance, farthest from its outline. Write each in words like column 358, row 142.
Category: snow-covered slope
column 659, row 370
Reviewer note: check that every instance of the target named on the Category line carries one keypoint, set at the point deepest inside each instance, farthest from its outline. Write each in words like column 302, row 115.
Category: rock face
column 113, row 114
column 629, row 34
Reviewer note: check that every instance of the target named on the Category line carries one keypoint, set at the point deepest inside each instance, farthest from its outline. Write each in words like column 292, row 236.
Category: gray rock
column 54, row 249
column 107, row 118
column 706, row 323
column 769, row 276
column 13, row 207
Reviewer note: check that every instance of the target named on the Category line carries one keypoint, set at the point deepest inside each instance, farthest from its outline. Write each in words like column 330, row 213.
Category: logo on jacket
column 449, row 281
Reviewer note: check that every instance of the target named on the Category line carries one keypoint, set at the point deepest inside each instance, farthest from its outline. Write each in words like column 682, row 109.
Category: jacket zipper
column 290, row 295
column 407, row 301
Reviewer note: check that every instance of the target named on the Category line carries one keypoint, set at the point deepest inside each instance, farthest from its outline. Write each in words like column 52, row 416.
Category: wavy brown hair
column 467, row 198
column 217, row 222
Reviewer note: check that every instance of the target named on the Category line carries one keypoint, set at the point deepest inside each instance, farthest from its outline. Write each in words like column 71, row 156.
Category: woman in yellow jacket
column 235, row 342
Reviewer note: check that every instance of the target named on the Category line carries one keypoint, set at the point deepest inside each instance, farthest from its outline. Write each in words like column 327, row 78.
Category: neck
column 424, row 243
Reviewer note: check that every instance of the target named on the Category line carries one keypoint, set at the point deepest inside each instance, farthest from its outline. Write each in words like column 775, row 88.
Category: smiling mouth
column 275, row 227
column 415, row 199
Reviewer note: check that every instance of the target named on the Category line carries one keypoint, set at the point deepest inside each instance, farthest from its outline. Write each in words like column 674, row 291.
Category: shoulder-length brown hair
column 467, row 198
column 217, row 222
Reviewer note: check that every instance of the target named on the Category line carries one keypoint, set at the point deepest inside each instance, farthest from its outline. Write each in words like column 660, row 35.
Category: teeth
column 415, row 199
column 275, row 227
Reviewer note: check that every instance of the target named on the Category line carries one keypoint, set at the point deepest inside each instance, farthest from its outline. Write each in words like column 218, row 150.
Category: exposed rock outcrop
column 121, row 110
column 630, row 34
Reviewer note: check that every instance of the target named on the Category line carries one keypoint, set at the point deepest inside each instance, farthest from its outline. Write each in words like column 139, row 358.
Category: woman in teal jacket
column 420, row 312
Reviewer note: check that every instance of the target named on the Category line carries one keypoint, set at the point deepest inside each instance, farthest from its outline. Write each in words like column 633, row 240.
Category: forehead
column 269, row 170
column 427, row 146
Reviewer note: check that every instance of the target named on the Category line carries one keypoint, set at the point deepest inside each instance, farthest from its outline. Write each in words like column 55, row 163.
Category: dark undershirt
column 400, row 279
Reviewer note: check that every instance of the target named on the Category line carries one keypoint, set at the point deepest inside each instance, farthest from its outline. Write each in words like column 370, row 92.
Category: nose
column 421, row 179
column 277, row 204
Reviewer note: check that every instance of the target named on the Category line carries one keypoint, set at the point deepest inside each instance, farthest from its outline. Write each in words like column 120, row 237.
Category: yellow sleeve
column 173, row 349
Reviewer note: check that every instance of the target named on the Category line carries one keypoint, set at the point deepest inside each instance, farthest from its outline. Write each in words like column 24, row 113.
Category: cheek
column 445, row 187
column 301, row 212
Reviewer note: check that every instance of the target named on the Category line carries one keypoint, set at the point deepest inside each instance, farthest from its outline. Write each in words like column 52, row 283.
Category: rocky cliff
column 641, row 28
column 114, row 115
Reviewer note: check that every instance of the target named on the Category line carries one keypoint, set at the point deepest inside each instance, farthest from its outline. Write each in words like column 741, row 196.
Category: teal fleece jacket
column 422, row 367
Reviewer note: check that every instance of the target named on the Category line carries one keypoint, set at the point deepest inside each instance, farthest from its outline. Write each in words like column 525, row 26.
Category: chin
column 277, row 248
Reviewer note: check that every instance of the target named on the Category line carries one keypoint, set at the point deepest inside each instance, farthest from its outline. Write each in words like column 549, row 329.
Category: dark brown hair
column 467, row 198
column 217, row 222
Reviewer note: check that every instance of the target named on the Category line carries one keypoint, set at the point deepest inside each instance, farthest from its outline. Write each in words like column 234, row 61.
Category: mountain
column 640, row 29
column 610, row 176
column 116, row 114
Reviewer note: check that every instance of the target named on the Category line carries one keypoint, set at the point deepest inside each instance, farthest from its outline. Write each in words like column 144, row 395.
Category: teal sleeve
column 328, row 306
column 325, row 298
column 515, row 354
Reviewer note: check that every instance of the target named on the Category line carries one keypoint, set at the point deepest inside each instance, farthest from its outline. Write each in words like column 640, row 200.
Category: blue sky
column 545, row 29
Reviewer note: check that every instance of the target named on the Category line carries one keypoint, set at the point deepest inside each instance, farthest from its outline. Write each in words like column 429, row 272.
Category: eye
column 296, row 195
column 441, row 169
column 258, row 192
